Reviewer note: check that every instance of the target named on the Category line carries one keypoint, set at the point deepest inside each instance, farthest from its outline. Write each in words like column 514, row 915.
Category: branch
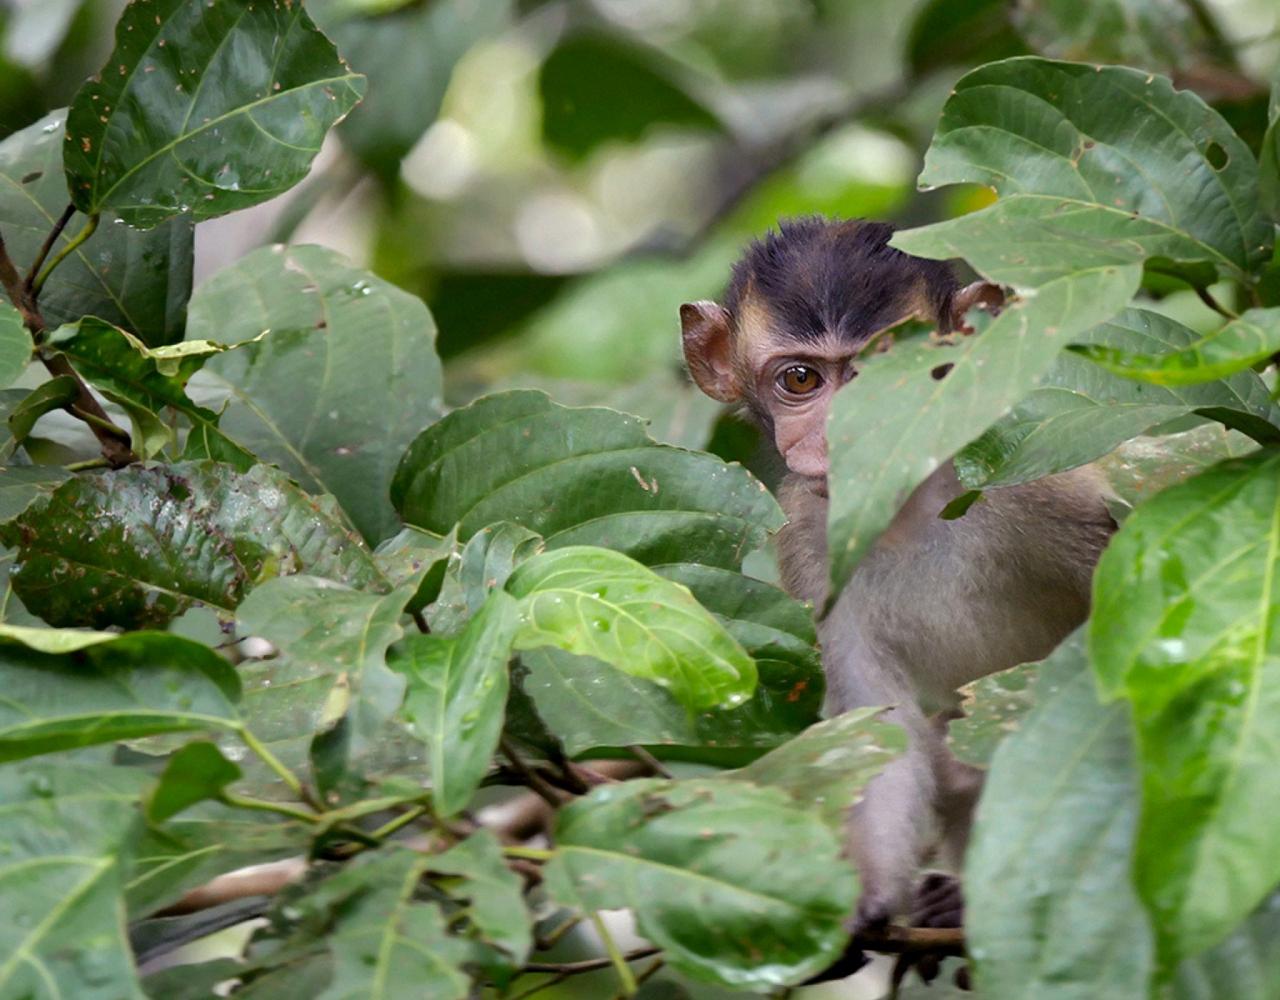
column 50, row 240
column 114, row 440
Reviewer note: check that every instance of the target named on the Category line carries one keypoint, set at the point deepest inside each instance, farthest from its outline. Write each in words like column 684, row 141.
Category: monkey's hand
column 939, row 902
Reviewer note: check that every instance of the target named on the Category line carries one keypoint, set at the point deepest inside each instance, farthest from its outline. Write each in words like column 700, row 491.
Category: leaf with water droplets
column 204, row 108
column 597, row 602
column 457, row 689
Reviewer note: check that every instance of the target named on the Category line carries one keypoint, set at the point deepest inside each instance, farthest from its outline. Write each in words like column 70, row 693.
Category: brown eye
column 799, row 380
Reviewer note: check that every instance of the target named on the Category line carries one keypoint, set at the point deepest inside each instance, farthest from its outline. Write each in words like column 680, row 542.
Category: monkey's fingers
column 939, row 902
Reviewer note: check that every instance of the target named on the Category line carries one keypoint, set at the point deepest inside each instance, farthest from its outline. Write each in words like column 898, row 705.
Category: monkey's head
column 801, row 305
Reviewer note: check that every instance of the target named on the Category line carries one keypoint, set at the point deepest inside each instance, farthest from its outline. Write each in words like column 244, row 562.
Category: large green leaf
column 587, row 476
column 203, row 109
column 138, row 546
column 826, row 767
column 912, row 407
column 1079, row 412
column 364, row 349
column 601, row 603
column 1237, row 345
column 735, row 883
column 127, row 687
column 15, row 345
column 138, row 280
column 67, row 829
column 1050, row 909
column 1244, row 966
column 485, row 562
column 457, row 688
column 1185, row 626
column 329, row 664
column 588, row 703
column 492, row 892
column 596, row 88
column 1106, row 165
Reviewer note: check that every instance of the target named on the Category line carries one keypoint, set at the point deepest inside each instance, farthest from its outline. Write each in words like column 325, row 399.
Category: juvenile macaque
column 936, row 603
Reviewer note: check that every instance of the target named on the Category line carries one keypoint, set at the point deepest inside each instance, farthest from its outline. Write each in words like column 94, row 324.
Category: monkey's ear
column 983, row 294
column 707, row 334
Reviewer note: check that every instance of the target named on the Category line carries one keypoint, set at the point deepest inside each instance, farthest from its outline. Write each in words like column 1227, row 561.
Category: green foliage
column 393, row 619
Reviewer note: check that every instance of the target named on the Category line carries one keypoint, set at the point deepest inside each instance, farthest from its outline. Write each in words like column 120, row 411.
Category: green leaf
column 1184, row 626
column 131, row 686
column 385, row 945
column 331, row 643
column 907, row 412
column 67, row 828
column 484, row 563
column 600, row 603
column 196, row 772
column 1079, row 412
column 599, row 88
column 961, row 33
column 586, row 476
column 52, row 395
column 825, row 768
column 994, row 707
column 138, row 280
column 1269, row 162
column 150, row 138
column 1245, row 966
column 735, row 883
column 54, row 640
column 1050, row 910
column 457, row 688
column 21, row 484
column 1239, row 344
column 137, row 547
column 1095, row 166
column 418, row 557
column 1141, row 468
column 365, row 349
column 15, row 345
column 492, row 893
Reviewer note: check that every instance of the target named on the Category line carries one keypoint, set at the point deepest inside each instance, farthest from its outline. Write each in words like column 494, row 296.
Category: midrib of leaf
column 147, row 713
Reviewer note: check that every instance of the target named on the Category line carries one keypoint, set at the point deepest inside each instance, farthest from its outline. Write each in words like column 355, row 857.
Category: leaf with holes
column 1094, row 165
column 912, row 407
column 457, row 688
column 113, row 688
column 600, row 603
column 1184, row 627
column 365, row 349
column 1238, row 345
column 588, row 476
column 137, row 547
column 1079, row 411
column 735, row 883
column 204, row 109
column 134, row 279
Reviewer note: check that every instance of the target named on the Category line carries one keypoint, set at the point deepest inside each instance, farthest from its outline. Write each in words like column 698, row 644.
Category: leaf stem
column 261, row 805
column 650, row 761
column 72, row 245
column 45, row 247
column 273, row 762
column 1207, row 298
column 625, row 976
column 103, row 424
column 401, row 821
column 528, row 853
column 87, row 464
column 530, row 776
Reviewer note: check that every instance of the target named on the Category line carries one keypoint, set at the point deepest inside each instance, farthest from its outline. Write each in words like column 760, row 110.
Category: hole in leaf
column 939, row 372
column 1216, row 155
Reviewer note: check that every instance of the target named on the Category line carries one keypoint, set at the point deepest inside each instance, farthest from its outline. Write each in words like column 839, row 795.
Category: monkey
column 936, row 603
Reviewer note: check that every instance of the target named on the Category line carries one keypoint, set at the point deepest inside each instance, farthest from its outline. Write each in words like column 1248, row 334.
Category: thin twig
column 650, row 970
column 262, row 805
column 45, row 247
column 589, row 964
column 531, row 777
column 650, row 761
column 1207, row 298
column 272, row 761
column 553, row 938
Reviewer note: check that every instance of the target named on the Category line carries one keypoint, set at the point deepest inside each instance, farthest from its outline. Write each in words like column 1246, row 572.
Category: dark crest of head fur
column 820, row 276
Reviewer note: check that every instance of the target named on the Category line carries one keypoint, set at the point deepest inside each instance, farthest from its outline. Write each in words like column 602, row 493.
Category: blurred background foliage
column 555, row 178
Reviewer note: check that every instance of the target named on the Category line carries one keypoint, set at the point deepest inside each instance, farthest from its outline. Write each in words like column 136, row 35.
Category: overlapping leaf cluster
column 1125, row 840
column 298, row 612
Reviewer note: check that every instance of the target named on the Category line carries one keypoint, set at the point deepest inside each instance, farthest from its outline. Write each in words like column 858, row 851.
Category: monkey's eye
column 799, row 380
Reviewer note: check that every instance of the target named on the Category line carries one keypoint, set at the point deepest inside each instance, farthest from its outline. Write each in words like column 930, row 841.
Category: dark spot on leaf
column 35, row 175
column 939, row 372
column 1216, row 155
